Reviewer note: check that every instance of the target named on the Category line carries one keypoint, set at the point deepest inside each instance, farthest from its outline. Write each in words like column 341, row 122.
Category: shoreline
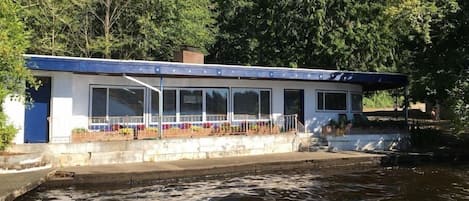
column 141, row 174
column 138, row 173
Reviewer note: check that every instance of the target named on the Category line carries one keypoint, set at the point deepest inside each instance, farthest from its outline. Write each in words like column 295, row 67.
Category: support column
column 160, row 110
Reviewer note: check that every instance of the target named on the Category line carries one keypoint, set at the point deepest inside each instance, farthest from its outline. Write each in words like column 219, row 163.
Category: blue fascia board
column 370, row 81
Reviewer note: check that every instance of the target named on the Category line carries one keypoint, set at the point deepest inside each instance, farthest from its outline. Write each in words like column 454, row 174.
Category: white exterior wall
column 313, row 118
column 71, row 98
column 14, row 109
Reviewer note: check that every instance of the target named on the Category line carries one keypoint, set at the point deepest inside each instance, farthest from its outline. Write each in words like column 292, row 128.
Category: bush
column 79, row 130
column 7, row 133
column 459, row 102
column 379, row 99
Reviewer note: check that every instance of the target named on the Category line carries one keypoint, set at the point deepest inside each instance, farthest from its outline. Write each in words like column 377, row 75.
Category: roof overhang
column 369, row 81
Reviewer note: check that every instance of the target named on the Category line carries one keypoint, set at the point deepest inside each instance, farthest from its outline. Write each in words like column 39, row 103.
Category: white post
column 160, row 96
column 160, row 110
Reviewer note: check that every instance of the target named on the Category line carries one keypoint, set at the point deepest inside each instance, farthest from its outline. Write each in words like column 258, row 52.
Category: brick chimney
column 189, row 55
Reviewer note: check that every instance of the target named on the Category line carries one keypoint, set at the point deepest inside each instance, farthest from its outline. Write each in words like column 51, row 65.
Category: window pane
column 125, row 102
column 320, row 101
column 216, row 104
column 98, row 104
column 246, row 104
column 155, row 101
column 336, row 101
column 356, row 102
column 265, row 104
column 191, row 105
column 169, row 105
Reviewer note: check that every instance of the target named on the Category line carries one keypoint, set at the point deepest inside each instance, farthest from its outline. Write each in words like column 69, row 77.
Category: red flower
column 207, row 125
column 140, row 127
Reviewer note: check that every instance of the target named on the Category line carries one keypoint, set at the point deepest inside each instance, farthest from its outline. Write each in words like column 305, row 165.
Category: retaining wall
column 118, row 152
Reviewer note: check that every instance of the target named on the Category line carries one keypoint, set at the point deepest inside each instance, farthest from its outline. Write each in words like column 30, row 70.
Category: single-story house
column 92, row 95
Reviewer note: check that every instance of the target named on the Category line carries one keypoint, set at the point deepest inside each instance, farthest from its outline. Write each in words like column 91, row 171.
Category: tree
column 124, row 29
column 349, row 35
column 13, row 73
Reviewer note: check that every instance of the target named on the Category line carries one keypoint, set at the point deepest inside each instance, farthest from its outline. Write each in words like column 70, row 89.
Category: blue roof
column 369, row 81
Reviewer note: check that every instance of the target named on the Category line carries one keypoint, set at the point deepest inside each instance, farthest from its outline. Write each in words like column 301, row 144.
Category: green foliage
column 439, row 67
column 13, row 74
column 7, row 132
column 124, row 29
column 378, row 99
column 351, row 35
column 79, row 130
column 459, row 97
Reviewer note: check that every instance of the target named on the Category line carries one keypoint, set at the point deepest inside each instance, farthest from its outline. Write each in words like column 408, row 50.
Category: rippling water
column 421, row 183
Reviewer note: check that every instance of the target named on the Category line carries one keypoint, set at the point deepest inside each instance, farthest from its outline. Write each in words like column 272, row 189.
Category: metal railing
column 131, row 127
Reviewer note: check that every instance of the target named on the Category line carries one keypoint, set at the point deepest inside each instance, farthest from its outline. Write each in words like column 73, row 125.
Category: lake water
column 419, row 184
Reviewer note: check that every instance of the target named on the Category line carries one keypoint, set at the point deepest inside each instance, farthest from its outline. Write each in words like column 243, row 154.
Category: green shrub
column 79, row 130
column 379, row 99
column 7, row 133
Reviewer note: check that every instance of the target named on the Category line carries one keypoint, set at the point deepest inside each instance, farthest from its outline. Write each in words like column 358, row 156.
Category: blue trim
column 370, row 81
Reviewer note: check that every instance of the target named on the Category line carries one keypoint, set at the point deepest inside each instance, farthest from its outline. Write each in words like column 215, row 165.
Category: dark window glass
column 320, row 101
column 191, row 105
column 125, row 102
column 155, row 103
column 356, row 102
column 246, row 104
column 169, row 102
column 265, row 104
column 98, row 104
column 216, row 104
column 169, row 105
column 335, row 101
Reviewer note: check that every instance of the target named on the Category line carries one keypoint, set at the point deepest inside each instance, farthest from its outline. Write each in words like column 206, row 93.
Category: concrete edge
column 149, row 177
column 26, row 188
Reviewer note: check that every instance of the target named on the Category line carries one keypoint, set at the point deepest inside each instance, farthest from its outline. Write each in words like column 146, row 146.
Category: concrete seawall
column 146, row 173
column 119, row 152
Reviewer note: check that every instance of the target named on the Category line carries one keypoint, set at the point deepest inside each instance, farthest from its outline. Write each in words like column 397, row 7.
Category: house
column 93, row 95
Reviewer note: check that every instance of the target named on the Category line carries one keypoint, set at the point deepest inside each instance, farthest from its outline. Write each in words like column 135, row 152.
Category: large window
column 169, row 106
column 216, row 101
column 251, row 104
column 356, row 102
column 190, row 102
column 332, row 100
column 117, row 104
column 191, row 105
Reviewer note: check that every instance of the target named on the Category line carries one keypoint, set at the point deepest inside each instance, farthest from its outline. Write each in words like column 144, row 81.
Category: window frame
column 259, row 115
column 351, row 101
column 324, row 110
column 107, row 117
column 178, row 106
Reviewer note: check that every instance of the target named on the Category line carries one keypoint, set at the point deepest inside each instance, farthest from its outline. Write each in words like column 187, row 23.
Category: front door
column 36, row 125
column 294, row 103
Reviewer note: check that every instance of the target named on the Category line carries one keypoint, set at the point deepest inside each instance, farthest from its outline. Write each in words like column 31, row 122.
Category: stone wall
column 99, row 153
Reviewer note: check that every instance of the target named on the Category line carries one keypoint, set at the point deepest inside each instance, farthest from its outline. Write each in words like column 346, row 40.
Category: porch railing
column 132, row 127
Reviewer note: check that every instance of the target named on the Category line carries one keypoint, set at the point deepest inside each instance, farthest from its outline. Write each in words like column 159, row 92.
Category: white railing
column 129, row 127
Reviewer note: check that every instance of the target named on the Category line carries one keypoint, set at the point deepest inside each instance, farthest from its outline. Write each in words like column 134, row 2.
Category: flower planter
column 100, row 136
column 147, row 134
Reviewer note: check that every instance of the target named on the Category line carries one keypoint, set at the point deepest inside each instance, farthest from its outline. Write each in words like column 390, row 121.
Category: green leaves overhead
column 13, row 74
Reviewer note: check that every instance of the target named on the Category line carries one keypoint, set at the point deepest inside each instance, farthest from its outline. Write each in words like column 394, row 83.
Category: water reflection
column 423, row 183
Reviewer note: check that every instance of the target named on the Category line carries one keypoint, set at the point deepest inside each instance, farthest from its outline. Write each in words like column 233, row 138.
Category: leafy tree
column 13, row 74
column 47, row 22
column 124, row 29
